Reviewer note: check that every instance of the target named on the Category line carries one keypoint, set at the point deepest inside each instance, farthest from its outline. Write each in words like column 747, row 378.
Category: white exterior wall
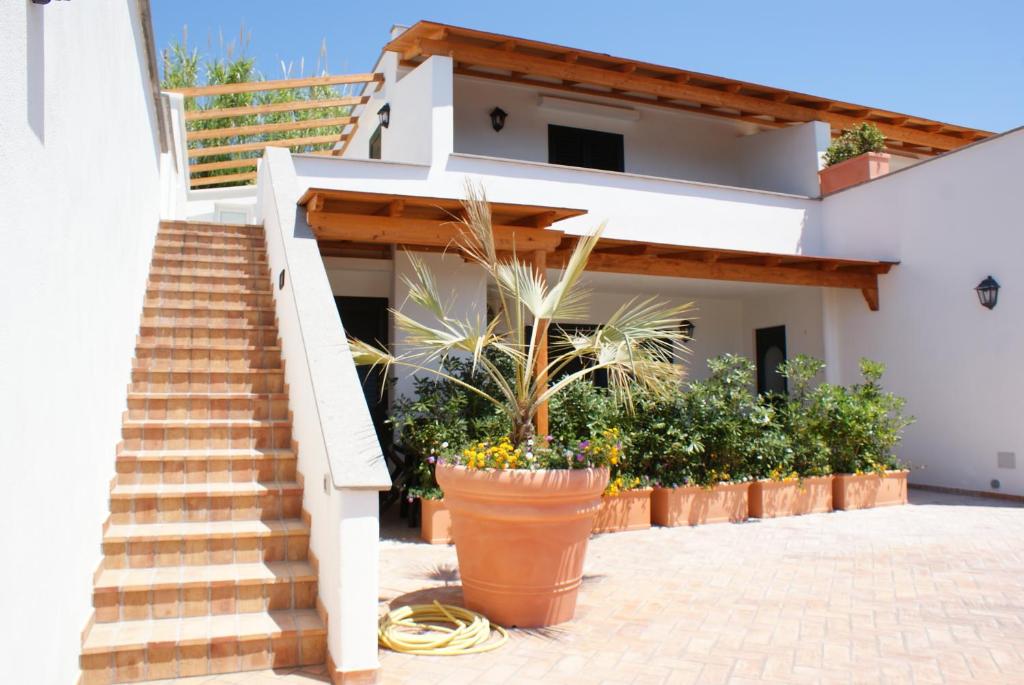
column 785, row 160
column 79, row 208
column 952, row 221
column 798, row 309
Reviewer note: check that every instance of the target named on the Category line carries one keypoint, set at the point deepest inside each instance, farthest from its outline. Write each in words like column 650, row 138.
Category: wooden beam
column 293, row 106
column 259, row 129
column 724, row 271
column 225, row 178
column 426, row 232
column 558, row 69
column 541, row 421
column 871, row 297
column 230, row 164
column 282, row 84
column 248, row 147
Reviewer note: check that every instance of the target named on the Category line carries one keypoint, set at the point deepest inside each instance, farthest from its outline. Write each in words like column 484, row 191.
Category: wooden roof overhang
column 517, row 60
column 360, row 224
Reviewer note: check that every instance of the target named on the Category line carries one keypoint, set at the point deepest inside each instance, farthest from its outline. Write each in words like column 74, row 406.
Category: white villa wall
column 952, row 221
column 798, row 309
column 785, row 160
column 79, row 209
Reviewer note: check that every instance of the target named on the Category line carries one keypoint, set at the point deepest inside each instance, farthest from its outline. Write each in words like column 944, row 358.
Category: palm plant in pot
column 522, row 505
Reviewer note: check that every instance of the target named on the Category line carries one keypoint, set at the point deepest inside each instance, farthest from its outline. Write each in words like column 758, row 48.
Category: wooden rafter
column 281, row 84
column 224, row 178
column 259, row 129
column 347, row 221
column 229, row 164
column 544, row 64
column 248, row 147
column 273, row 108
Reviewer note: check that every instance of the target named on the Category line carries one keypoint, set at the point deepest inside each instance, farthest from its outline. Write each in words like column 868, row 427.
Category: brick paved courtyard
column 928, row 593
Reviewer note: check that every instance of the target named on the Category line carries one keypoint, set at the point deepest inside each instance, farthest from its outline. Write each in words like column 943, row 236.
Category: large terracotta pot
column 853, row 491
column 772, row 498
column 435, row 522
column 521, row 538
column 691, row 505
column 853, row 171
column 629, row 510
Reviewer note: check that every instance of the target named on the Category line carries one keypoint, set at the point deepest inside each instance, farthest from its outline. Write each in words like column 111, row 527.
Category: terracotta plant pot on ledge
column 853, row 171
column 435, row 522
column 863, row 491
column 521, row 538
column 629, row 510
column 772, row 498
column 692, row 505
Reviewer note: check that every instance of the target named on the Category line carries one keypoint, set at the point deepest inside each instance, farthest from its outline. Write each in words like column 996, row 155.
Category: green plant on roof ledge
column 853, row 142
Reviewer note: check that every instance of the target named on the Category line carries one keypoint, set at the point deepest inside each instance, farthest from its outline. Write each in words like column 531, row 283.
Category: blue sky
column 951, row 60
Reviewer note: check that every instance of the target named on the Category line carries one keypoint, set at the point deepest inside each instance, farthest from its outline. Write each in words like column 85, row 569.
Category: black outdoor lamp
column 384, row 114
column 686, row 328
column 988, row 292
column 498, row 116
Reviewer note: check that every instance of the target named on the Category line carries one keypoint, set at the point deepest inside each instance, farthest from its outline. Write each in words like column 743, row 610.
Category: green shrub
column 854, row 142
column 800, row 419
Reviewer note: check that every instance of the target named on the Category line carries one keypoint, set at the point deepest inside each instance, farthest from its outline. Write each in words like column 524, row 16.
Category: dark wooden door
column 771, row 351
column 366, row 318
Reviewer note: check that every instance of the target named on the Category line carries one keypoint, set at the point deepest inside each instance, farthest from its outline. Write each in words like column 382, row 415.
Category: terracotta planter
column 851, row 491
column 521, row 538
column 435, row 522
column 771, row 498
column 853, row 171
column 629, row 510
column 692, row 505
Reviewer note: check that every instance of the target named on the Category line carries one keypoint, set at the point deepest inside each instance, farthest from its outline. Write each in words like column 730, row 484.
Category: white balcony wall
column 952, row 221
column 80, row 199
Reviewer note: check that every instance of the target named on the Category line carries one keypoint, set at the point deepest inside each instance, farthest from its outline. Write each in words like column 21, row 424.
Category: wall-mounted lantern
column 384, row 114
column 498, row 116
column 686, row 328
column 988, row 292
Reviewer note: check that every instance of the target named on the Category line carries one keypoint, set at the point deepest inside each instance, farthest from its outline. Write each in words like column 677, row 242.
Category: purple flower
column 579, row 457
column 431, row 459
column 549, row 438
column 585, row 444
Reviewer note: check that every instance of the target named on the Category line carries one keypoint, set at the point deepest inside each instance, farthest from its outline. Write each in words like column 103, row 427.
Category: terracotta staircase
column 205, row 554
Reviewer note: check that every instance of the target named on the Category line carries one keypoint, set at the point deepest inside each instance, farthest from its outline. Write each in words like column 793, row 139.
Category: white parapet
column 339, row 456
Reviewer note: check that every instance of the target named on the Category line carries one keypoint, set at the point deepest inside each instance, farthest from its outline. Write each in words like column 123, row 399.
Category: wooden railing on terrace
column 229, row 125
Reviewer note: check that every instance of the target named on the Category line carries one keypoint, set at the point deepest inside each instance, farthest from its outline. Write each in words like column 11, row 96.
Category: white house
column 240, row 372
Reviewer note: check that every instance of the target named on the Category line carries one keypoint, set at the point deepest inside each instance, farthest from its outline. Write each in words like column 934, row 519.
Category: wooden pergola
column 361, row 224
column 517, row 60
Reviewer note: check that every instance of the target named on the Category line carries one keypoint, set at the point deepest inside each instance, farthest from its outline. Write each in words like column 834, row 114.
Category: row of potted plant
column 713, row 452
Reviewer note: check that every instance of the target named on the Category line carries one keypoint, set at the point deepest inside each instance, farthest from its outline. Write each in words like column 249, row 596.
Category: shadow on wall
column 35, row 73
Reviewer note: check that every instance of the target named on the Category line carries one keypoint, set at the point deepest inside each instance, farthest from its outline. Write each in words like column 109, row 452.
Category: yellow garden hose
column 438, row 630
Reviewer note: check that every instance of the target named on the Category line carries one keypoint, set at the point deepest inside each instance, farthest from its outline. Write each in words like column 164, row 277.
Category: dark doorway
column 366, row 318
column 771, row 351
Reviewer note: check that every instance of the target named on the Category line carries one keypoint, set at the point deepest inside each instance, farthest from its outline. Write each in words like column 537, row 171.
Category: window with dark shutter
column 584, row 148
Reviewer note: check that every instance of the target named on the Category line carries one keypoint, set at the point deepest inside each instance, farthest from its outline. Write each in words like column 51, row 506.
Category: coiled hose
column 438, row 630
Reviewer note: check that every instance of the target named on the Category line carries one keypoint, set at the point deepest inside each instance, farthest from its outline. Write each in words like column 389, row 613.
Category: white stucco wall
column 79, row 206
column 785, row 160
column 952, row 221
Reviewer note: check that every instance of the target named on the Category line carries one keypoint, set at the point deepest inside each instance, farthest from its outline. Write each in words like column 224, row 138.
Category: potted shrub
column 854, row 157
column 862, row 426
column 584, row 415
column 794, row 474
column 522, row 511
column 440, row 413
column 703, row 473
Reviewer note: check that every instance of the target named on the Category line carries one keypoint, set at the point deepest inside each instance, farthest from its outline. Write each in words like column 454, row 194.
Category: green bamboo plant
column 636, row 347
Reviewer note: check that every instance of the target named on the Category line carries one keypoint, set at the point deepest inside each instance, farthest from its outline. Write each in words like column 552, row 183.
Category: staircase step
column 212, row 406
column 205, row 465
column 166, row 358
column 252, row 381
column 202, row 543
column 135, row 594
column 200, row 227
column 219, row 238
column 232, row 262
column 130, row 651
column 189, row 279
column 213, row 317
column 226, row 501
column 205, row 433
column 249, row 252
column 177, row 336
column 156, row 297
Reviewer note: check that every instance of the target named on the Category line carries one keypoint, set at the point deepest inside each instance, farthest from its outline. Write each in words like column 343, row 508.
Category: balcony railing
column 227, row 126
